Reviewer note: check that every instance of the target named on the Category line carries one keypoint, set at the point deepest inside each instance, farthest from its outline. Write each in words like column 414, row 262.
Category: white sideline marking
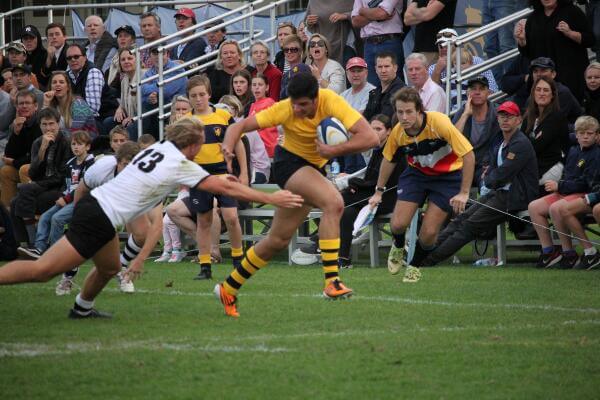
column 38, row 350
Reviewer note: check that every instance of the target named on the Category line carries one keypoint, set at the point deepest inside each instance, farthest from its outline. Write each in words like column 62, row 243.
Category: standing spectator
column 293, row 50
column 88, row 82
column 56, row 60
column 229, row 60
column 284, row 30
column 559, row 30
column 515, row 79
column 149, row 91
column 184, row 18
column 500, row 40
column 591, row 100
column 21, row 74
column 128, row 106
column 47, row 171
column 432, row 95
column 75, row 113
column 269, row 136
column 36, row 53
column 150, row 27
column 329, row 73
column 358, row 93
column 240, row 88
column 22, row 133
column 478, row 123
column 332, row 19
column 260, row 57
column 381, row 30
column 125, row 40
column 592, row 10
column 547, row 129
column 100, row 47
column 429, row 16
column 380, row 97
column 172, row 247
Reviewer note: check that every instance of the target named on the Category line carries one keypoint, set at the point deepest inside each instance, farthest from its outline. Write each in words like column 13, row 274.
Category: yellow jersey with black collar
column 210, row 156
column 438, row 149
column 299, row 134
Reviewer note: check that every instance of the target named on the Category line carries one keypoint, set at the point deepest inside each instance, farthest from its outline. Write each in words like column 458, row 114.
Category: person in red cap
column 184, row 18
column 358, row 93
column 509, row 184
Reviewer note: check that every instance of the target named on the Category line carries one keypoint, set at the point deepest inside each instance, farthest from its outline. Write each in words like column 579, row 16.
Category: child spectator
column 52, row 223
column 240, row 88
column 180, row 108
column 260, row 88
column 146, row 140
column 172, row 249
column 581, row 169
column 118, row 136
column 591, row 97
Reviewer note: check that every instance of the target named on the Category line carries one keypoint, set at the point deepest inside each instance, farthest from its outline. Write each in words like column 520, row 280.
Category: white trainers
column 125, row 283
column 164, row 257
column 177, row 256
column 411, row 275
column 395, row 260
column 64, row 286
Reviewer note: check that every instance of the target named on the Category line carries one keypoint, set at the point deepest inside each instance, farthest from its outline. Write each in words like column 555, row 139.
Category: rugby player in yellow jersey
column 298, row 167
column 440, row 170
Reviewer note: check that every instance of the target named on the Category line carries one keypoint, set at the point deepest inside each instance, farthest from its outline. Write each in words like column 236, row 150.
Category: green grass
column 460, row 333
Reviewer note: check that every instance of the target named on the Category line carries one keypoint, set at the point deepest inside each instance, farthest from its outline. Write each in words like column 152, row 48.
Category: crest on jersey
column 217, row 131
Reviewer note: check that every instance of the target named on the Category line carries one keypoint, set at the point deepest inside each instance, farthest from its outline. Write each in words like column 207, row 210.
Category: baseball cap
column 445, row 35
column 23, row 67
column 186, row 12
column 297, row 69
column 17, row 46
column 509, row 107
column 542, row 62
column 30, row 30
column 356, row 62
column 478, row 79
column 125, row 28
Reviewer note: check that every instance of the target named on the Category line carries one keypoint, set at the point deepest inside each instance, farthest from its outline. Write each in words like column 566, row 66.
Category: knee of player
column 427, row 234
column 334, row 206
column 278, row 242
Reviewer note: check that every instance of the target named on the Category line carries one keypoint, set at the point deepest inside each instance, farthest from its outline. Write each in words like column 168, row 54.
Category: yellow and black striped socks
column 251, row 263
column 204, row 260
column 329, row 255
column 237, row 253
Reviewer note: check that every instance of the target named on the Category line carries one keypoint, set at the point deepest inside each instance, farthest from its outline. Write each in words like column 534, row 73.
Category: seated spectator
column 293, row 50
column 51, row 225
column 509, row 184
column 36, row 53
column 380, row 97
column 437, row 71
column 284, row 30
column 100, row 47
column 149, row 91
column 333, row 21
column 21, row 75
column 568, row 104
column 478, row 122
column 125, row 40
column 145, row 141
column 7, row 83
column 127, row 109
column 269, row 136
column 24, row 130
column 181, row 106
column 215, row 38
column 328, row 72
column 88, row 82
column 547, row 129
column 7, row 115
column 432, row 94
column 150, row 28
column 240, row 88
column 47, row 171
column 184, row 18
column 117, row 136
column 358, row 93
column 229, row 60
column 581, row 169
column 591, row 100
column 260, row 57
column 75, row 113
column 56, row 60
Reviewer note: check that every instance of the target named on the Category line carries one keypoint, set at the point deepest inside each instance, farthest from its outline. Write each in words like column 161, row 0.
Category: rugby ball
column 331, row 131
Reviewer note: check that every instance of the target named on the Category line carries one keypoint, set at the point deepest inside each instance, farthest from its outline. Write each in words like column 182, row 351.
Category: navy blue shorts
column 414, row 186
column 200, row 201
column 286, row 163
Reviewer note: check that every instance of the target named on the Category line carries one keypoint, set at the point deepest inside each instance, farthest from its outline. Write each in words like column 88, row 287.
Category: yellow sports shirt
column 210, row 156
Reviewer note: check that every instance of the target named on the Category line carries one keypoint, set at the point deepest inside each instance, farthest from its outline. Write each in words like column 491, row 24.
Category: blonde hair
column 65, row 109
column 233, row 103
column 323, row 38
column 185, row 132
column 593, row 65
column 586, row 123
column 178, row 99
column 219, row 63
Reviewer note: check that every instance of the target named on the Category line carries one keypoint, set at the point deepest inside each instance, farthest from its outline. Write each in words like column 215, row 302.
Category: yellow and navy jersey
column 437, row 149
column 299, row 134
column 210, row 156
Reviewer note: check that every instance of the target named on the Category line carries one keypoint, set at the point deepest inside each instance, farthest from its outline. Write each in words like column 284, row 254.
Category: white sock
column 88, row 305
column 590, row 252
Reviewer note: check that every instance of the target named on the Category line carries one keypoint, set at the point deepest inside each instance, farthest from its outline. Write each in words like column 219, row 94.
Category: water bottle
column 485, row 262
column 335, row 169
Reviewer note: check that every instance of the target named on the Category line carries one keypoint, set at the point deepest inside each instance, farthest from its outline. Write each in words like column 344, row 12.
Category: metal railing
column 456, row 44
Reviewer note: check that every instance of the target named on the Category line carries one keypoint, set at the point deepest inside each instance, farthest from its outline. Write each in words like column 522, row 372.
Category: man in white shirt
column 433, row 96
column 358, row 93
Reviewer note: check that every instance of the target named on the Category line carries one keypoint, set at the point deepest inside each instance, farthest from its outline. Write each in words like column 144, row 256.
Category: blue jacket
column 193, row 49
column 171, row 89
column 581, row 170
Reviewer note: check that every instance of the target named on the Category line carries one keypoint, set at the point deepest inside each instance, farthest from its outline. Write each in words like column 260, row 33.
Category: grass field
column 462, row 332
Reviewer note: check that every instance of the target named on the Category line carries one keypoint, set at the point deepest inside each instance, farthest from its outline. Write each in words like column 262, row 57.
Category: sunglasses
column 318, row 43
column 291, row 50
column 74, row 57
